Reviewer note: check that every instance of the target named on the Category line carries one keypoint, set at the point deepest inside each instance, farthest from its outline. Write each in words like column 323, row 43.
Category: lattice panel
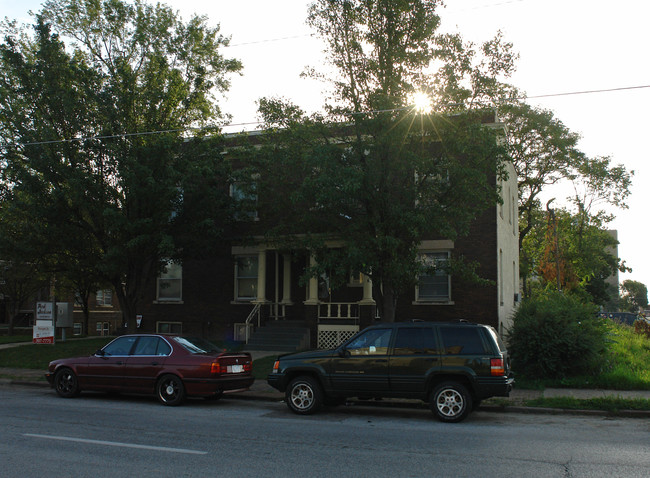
column 329, row 339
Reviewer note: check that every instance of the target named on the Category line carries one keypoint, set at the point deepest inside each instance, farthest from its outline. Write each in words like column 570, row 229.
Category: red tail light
column 496, row 367
column 216, row 367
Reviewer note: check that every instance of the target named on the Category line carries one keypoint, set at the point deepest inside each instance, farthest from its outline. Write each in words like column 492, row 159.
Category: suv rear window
column 461, row 340
column 412, row 341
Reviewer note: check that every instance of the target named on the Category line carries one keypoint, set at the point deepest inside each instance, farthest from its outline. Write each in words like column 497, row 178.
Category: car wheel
column 451, row 402
column 66, row 383
column 304, row 396
column 170, row 390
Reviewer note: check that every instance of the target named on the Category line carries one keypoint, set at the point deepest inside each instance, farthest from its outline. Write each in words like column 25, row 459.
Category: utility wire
column 189, row 128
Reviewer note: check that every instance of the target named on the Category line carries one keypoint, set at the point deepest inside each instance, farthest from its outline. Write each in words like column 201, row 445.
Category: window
column 197, row 345
column 246, row 277
column 170, row 283
column 152, row 346
column 434, row 286
column 244, row 196
column 373, row 342
column 169, row 327
column 461, row 340
column 120, row 346
column 415, row 341
column 104, row 298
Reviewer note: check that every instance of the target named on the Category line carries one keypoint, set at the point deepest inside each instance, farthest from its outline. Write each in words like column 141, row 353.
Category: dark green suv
column 452, row 366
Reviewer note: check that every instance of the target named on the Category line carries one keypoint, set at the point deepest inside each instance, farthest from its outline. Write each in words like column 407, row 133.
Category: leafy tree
column 92, row 138
column 376, row 176
column 634, row 296
column 576, row 246
column 543, row 150
column 545, row 153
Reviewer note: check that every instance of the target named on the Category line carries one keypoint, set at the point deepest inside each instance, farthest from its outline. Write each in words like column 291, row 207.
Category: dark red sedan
column 170, row 366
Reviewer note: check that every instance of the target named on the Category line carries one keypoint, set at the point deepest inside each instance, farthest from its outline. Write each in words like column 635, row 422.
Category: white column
column 261, row 276
column 286, row 280
column 313, row 286
column 367, row 292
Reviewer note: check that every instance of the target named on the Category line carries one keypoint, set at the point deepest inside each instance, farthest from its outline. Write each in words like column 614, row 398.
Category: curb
column 271, row 396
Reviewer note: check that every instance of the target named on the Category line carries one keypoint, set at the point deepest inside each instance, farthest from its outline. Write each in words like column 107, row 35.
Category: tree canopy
column 95, row 106
column 376, row 175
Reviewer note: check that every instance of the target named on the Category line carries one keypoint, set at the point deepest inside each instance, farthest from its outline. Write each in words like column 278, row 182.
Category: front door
column 364, row 367
column 105, row 370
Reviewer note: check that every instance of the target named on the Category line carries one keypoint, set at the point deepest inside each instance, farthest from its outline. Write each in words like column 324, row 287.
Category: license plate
column 235, row 368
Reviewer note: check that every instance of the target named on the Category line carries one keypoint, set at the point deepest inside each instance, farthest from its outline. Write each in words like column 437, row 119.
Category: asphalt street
column 100, row 435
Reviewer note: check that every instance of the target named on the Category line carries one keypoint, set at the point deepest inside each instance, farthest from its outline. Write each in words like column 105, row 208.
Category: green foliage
column 555, row 336
column 391, row 176
column 96, row 176
column 634, row 296
column 585, row 251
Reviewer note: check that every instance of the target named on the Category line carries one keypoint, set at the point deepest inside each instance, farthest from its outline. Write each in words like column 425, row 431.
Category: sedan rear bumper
column 206, row 387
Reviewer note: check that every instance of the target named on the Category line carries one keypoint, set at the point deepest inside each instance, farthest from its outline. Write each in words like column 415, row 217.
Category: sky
column 565, row 46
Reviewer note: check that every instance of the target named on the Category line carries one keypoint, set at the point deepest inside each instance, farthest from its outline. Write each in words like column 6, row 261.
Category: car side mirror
column 344, row 353
column 99, row 353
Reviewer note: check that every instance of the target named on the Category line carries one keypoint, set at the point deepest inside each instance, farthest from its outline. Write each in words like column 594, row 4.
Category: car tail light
column 496, row 367
column 216, row 367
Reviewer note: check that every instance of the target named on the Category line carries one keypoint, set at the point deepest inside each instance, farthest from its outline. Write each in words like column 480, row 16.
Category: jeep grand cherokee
column 452, row 366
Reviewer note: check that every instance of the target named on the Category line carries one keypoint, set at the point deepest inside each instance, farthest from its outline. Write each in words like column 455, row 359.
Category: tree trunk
column 128, row 308
column 389, row 303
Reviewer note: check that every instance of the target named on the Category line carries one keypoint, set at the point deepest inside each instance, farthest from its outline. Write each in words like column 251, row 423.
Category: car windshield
column 197, row 345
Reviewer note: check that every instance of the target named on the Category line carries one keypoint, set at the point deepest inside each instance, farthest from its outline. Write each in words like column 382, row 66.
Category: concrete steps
column 280, row 335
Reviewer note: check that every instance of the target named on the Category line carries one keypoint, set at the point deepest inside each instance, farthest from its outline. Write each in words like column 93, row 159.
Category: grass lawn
column 626, row 366
column 39, row 356
column 12, row 339
column 262, row 367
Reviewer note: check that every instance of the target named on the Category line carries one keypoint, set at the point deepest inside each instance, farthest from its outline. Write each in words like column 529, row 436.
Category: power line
column 189, row 128
column 585, row 92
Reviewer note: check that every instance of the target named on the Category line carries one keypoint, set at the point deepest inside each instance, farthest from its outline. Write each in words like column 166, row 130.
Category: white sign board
column 43, row 332
column 44, row 311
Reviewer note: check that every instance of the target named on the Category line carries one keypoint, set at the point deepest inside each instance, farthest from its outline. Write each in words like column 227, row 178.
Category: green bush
column 556, row 335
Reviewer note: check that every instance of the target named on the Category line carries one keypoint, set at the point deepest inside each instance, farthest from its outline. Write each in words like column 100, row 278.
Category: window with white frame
column 104, row 298
column 246, row 277
column 434, row 285
column 170, row 283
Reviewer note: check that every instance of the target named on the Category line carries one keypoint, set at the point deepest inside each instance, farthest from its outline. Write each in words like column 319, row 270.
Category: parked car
column 452, row 366
column 170, row 366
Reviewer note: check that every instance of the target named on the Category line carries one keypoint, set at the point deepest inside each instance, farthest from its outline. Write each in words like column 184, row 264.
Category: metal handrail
column 251, row 316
